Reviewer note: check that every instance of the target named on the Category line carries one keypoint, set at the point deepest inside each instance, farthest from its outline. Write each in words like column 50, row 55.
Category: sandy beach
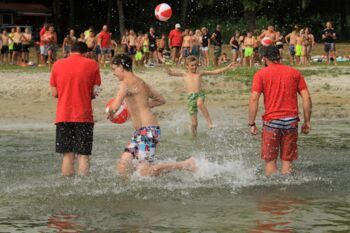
column 25, row 97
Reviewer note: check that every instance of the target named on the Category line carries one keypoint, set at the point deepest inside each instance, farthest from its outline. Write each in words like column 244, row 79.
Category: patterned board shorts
column 280, row 136
column 143, row 143
column 192, row 101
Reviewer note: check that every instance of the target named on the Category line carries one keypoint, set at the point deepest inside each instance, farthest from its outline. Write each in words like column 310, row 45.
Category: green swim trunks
column 298, row 50
column 192, row 101
column 138, row 56
column 248, row 51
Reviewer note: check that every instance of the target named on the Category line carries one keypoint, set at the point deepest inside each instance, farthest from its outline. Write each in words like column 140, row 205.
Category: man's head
column 218, row 27
column 151, row 30
column 270, row 28
column 79, row 47
column 329, row 24
column 177, row 26
column 105, row 28
column 191, row 64
column 121, row 64
column 270, row 54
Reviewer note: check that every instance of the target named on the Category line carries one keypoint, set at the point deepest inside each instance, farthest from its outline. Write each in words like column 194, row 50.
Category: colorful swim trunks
column 280, row 136
column 143, row 143
column 192, row 101
column 138, row 56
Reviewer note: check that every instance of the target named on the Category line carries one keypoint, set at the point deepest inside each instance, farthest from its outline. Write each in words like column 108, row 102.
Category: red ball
column 163, row 12
column 266, row 41
column 121, row 115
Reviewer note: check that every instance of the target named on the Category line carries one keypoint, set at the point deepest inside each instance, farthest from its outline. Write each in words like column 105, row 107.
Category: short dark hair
column 270, row 52
column 123, row 60
column 79, row 47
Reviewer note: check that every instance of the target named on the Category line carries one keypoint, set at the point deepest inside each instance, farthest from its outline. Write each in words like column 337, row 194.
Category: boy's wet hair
column 270, row 52
column 123, row 60
column 190, row 59
column 79, row 47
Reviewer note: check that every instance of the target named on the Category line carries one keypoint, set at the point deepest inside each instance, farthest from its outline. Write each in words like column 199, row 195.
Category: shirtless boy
column 91, row 43
column 292, row 42
column 140, row 98
column 17, row 46
column 186, row 45
column 248, row 49
column 196, row 97
column 271, row 33
column 5, row 47
column 298, row 48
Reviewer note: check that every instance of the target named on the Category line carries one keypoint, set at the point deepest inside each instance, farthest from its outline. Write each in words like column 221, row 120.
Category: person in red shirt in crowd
column 104, row 42
column 280, row 85
column 41, row 43
column 175, row 42
column 75, row 82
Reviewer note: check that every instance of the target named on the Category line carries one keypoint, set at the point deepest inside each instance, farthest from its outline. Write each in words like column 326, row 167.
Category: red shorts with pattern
column 279, row 141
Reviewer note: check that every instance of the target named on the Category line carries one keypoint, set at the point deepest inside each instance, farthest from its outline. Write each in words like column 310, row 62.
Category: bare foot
column 190, row 165
column 211, row 126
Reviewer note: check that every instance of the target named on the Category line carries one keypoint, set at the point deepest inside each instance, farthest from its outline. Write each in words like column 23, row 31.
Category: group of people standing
column 15, row 46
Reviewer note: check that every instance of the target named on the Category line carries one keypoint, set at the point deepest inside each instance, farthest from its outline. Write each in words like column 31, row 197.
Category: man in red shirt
column 74, row 81
column 280, row 85
column 104, row 42
column 175, row 42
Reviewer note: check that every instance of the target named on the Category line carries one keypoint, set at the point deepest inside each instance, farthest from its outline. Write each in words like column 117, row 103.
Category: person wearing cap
column 280, row 85
column 175, row 42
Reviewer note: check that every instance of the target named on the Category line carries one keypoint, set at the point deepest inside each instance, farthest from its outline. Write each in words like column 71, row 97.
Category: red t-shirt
column 105, row 38
column 75, row 77
column 42, row 32
column 175, row 37
column 280, row 85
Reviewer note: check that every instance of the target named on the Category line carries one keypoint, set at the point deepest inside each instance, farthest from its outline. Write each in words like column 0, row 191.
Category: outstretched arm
column 172, row 72
column 307, row 107
column 219, row 71
column 156, row 99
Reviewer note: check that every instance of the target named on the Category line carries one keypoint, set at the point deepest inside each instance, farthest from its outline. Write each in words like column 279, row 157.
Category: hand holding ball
column 120, row 116
column 266, row 41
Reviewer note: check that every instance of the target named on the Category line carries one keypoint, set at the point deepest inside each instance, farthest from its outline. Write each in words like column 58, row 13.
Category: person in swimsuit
column 196, row 96
column 248, row 49
column 132, row 44
column 329, row 36
column 91, row 43
column 196, row 43
column 161, row 43
column 235, row 46
column 205, row 46
column 145, row 48
column 310, row 44
column 5, row 47
column 26, row 40
column 140, row 98
column 291, row 41
column 298, row 47
column 68, row 43
column 186, row 45
column 17, row 46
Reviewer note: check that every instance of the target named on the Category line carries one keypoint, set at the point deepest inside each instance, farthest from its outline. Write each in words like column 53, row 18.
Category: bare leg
column 194, row 125
column 286, row 167
column 68, row 164
column 84, row 165
column 145, row 169
column 270, row 167
column 205, row 112
column 124, row 165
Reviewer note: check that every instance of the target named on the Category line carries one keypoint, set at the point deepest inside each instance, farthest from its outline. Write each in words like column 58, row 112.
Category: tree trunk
column 57, row 15
column 71, row 14
column 184, row 8
column 121, row 17
column 109, row 13
column 250, row 18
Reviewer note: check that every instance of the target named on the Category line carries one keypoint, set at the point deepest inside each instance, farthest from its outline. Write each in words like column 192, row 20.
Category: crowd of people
column 149, row 49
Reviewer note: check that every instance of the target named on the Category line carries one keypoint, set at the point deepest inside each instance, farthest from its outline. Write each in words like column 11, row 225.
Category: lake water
column 229, row 193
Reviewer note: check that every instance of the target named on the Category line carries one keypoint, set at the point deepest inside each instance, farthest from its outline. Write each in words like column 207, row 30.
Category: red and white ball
column 121, row 115
column 266, row 41
column 163, row 12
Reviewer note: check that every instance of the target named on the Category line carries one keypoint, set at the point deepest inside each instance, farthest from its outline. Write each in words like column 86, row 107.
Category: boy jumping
column 140, row 98
column 196, row 97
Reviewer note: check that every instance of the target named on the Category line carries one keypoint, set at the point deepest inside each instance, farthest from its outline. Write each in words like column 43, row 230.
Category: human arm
column 117, row 101
column 172, row 72
column 253, row 110
column 220, row 70
column 54, row 92
column 307, row 108
column 287, row 37
column 156, row 99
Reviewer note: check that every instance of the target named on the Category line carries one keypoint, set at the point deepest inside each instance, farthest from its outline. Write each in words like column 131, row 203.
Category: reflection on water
column 227, row 194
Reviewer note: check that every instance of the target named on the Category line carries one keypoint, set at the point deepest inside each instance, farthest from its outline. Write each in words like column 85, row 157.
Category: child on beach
column 298, row 48
column 196, row 97
column 161, row 47
column 140, row 98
